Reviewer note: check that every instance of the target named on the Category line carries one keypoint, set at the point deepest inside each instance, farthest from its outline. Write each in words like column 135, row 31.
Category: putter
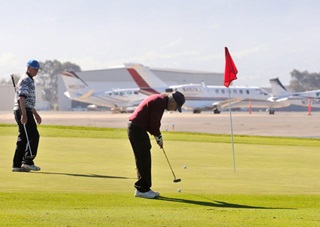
column 28, row 143
column 175, row 180
column 24, row 126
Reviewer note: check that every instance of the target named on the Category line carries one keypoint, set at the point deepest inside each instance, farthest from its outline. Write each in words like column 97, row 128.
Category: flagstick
column 234, row 161
column 230, row 73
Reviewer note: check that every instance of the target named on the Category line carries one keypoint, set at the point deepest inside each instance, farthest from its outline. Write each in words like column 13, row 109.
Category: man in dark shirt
column 147, row 118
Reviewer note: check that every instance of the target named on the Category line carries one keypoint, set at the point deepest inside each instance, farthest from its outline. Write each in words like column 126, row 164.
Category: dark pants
column 22, row 153
column 141, row 146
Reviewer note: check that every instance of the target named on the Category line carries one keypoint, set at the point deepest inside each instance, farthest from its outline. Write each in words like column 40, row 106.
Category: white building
column 7, row 98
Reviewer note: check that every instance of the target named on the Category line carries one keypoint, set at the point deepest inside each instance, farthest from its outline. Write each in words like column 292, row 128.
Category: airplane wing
column 278, row 99
column 292, row 97
column 86, row 95
column 303, row 96
column 225, row 103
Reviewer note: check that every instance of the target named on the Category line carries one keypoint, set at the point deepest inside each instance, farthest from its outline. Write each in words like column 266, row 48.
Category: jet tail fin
column 277, row 88
column 76, row 87
column 146, row 80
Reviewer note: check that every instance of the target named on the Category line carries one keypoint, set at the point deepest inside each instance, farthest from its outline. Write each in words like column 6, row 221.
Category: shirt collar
column 29, row 75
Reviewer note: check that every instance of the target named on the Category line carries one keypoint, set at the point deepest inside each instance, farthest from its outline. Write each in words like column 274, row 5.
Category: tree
column 304, row 81
column 48, row 78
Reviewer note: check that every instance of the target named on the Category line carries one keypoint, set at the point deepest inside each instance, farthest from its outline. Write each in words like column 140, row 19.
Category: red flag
column 230, row 72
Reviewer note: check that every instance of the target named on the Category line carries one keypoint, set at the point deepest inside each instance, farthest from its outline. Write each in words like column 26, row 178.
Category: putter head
column 30, row 157
column 176, row 180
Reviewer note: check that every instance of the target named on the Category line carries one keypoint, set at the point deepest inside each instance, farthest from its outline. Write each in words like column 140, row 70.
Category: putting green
column 88, row 174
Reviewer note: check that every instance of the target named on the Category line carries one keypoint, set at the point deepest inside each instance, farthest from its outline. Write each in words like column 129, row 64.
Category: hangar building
column 7, row 97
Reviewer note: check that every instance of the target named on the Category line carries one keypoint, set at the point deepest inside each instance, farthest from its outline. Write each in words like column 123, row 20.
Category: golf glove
column 159, row 140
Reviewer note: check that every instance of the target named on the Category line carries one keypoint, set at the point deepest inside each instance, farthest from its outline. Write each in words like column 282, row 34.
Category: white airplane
column 202, row 97
column 119, row 99
column 280, row 94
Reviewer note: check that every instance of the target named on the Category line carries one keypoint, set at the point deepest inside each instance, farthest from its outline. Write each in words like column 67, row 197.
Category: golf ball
column 184, row 167
column 179, row 190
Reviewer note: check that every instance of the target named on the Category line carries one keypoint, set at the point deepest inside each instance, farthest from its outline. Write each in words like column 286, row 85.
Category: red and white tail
column 146, row 80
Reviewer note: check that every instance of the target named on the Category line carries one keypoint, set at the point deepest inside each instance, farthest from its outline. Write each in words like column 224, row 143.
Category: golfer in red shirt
column 147, row 118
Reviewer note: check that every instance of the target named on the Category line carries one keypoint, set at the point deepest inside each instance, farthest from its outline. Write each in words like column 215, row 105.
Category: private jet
column 280, row 93
column 120, row 100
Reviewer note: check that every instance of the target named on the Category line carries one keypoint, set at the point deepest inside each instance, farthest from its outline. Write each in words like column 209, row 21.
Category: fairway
column 87, row 180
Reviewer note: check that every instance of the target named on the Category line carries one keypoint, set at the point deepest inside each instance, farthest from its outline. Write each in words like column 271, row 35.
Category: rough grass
column 95, row 132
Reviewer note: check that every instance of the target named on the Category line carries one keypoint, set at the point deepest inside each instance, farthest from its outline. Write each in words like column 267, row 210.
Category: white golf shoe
column 148, row 195
column 31, row 167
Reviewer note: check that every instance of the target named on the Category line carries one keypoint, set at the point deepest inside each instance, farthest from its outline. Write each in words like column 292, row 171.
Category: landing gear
column 196, row 111
column 216, row 111
column 271, row 111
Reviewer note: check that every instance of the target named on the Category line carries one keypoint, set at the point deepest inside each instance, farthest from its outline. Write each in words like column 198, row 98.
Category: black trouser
column 141, row 146
column 22, row 154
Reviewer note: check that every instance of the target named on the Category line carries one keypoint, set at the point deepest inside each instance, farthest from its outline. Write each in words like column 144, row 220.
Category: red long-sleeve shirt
column 149, row 113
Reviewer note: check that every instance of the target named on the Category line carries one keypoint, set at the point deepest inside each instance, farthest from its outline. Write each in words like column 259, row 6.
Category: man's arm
column 23, row 112
column 36, row 115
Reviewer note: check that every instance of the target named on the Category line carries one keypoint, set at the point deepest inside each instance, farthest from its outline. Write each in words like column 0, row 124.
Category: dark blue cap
column 179, row 99
column 34, row 64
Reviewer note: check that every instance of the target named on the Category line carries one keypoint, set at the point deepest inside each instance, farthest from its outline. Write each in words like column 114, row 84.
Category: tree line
column 304, row 81
column 48, row 79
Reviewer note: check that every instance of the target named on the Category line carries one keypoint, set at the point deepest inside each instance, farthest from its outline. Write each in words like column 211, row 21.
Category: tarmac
column 287, row 124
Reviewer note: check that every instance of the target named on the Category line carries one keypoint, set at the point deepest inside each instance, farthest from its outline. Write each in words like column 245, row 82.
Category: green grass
column 120, row 209
column 88, row 174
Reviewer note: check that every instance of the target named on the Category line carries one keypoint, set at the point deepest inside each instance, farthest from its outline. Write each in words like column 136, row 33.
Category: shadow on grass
column 219, row 204
column 82, row 175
